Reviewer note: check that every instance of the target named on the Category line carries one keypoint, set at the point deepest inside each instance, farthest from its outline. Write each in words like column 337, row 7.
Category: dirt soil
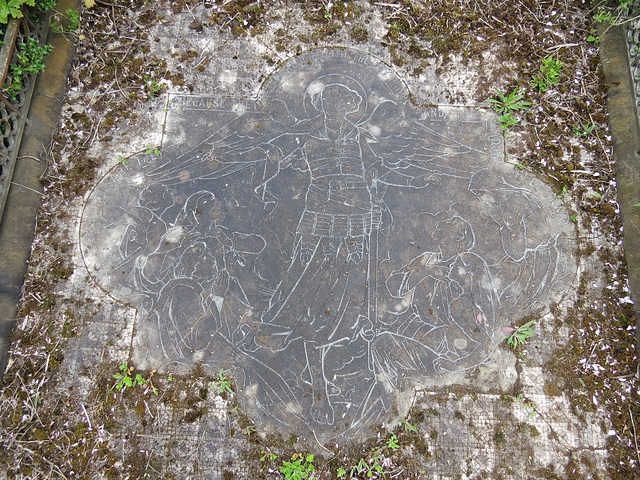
column 62, row 422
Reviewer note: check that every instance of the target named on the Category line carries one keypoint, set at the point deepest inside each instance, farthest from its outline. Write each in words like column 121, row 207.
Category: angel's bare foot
column 321, row 410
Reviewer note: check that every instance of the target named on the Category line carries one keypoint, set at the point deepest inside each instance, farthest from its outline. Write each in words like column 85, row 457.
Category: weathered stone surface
column 334, row 243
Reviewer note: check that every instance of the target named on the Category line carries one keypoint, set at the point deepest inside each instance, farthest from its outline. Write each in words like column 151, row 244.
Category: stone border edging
column 623, row 120
column 25, row 195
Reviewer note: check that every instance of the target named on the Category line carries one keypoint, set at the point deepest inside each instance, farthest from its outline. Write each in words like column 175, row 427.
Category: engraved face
column 453, row 236
column 337, row 101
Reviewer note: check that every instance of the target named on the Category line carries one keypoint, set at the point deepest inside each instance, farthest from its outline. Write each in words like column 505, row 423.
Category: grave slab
column 333, row 243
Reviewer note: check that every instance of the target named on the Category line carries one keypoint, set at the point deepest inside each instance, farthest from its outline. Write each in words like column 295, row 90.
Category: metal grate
column 14, row 109
column 633, row 44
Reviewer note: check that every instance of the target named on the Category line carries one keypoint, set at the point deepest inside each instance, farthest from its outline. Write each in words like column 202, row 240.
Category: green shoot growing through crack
column 152, row 149
column 223, row 384
column 511, row 103
column 549, row 74
column 530, row 405
column 392, row 443
column 506, row 106
column 71, row 19
column 519, row 335
column 604, row 16
column 564, row 194
column 531, row 408
column 584, row 130
column 125, row 378
column 408, row 426
column 153, row 87
column 613, row 15
column 299, row 468
column 266, row 455
column 507, row 120
column 369, row 468
column 327, row 10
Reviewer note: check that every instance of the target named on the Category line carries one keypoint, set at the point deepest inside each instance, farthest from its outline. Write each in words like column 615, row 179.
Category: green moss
column 48, row 303
column 528, row 429
column 552, row 389
column 193, row 415
column 40, row 434
column 359, row 34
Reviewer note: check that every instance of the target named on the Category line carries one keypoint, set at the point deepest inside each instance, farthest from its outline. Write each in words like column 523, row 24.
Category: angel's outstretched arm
column 406, row 175
column 416, row 155
column 275, row 155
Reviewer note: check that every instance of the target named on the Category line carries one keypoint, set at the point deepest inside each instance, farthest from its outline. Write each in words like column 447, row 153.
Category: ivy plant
column 13, row 8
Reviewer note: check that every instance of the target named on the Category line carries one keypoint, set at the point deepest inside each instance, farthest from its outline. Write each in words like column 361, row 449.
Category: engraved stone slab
column 331, row 242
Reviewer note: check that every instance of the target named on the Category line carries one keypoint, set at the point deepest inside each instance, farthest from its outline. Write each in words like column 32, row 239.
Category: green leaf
column 408, row 426
column 507, row 121
column 392, row 442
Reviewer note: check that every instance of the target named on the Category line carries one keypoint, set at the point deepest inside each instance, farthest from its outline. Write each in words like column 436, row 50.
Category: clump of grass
column 550, row 70
column 519, row 335
column 506, row 105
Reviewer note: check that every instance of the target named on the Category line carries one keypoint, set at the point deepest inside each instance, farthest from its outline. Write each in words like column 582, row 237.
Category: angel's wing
column 226, row 150
column 410, row 147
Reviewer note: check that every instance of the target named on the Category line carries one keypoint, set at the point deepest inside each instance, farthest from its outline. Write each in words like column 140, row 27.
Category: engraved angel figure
column 325, row 299
column 461, row 299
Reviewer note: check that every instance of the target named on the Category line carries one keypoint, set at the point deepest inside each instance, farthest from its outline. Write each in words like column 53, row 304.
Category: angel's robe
column 324, row 296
